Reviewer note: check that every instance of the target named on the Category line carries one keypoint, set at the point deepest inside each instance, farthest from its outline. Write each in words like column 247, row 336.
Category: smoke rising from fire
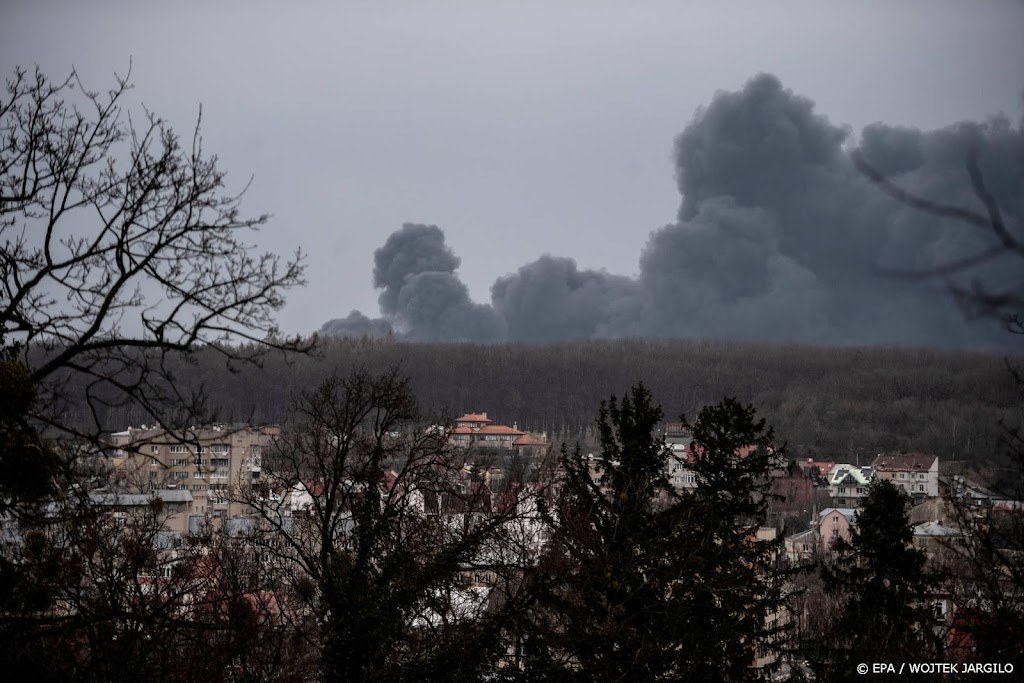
column 778, row 238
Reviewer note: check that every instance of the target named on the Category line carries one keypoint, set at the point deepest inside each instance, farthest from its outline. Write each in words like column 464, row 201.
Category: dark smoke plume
column 357, row 325
column 778, row 237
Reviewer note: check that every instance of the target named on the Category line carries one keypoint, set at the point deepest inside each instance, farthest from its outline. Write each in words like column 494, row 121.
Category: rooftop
column 473, row 417
column 903, row 462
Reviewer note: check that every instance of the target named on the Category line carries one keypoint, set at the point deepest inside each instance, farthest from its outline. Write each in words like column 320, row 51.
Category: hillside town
column 240, row 482
column 740, row 292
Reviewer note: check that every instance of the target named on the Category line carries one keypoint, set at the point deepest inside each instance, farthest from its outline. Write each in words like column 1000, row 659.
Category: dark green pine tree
column 732, row 599
column 646, row 583
column 881, row 587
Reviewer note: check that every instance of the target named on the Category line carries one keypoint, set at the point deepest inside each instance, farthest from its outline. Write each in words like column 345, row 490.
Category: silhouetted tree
column 1004, row 300
column 121, row 257
column 372, row 513
column 883, row 591
column 649, row 583
column 120, row 251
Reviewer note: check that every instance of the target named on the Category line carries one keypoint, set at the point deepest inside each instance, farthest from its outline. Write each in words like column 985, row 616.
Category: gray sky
column 520, row 128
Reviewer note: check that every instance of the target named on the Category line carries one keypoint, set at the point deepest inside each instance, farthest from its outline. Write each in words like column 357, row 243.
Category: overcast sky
column 519, row 128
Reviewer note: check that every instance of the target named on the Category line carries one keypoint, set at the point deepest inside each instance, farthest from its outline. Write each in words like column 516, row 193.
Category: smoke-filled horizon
column 778, row 238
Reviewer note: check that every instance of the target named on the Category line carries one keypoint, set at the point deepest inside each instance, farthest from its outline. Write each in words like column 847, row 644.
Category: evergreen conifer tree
column 882, row 586
column 646, row 582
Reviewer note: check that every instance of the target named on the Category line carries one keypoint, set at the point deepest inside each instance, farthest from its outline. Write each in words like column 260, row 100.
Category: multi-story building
column 835, row 523
column 917, row 474
column 476, row 429
column 848, row 484
column 204, row 461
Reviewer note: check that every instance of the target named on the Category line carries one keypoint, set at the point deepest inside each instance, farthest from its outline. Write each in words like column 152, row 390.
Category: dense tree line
column 828, row 402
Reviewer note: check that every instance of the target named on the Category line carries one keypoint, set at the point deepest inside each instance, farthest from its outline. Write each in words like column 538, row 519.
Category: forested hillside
column 830, row 402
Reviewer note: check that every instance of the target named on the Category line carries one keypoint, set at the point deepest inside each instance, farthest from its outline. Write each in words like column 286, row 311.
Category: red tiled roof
column 462, row 430
column 473, row 417
column 498, row 429
column 529, row 440
column 823, row 466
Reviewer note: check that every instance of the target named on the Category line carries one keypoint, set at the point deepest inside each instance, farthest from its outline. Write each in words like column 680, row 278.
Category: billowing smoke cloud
column 408, row 252
column 778, row 237
column 357, row 325
column 422, row 298
column 434, row 306
column 551, row 299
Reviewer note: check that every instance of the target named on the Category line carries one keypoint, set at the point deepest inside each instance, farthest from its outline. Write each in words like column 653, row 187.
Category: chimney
column 485, row 415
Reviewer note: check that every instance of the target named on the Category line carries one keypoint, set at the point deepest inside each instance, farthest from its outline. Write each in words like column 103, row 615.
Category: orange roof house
column 478, row 429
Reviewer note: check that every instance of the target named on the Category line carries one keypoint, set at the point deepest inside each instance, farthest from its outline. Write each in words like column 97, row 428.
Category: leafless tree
column 121, row 254
column 410, row 566
column 122, row 251
column 1005, row 301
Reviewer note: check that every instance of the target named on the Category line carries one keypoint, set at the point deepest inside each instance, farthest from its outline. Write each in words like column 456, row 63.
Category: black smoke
column 422, row 298
column 778, row 237
column 355, row 324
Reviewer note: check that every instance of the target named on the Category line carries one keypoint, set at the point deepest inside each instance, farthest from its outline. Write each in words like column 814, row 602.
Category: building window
column 154, row 449
column 842, row 489
column 219, row 462
column 921, row 475
column 903, row 475
column 179, row 449
column 179, row 475
column 920, row 487
column 219, row 448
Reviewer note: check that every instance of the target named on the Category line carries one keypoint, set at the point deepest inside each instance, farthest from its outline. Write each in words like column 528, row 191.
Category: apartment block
column 204, row 460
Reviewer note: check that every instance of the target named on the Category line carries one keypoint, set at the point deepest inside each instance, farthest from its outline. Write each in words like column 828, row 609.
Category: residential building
column 476, row 429
column 835, row 523
column 816, row 470
column 803, row 548
column 677, row 435
column 174, row 506
column 917, row 474
column 204, row 461
column 848, row 484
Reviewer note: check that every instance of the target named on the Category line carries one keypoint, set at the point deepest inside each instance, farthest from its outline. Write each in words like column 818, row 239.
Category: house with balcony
column 848, row 484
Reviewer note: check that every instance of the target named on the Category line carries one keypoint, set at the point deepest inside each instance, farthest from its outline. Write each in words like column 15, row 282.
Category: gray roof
column 809, row 535
column 849, row 513
column 935, row 529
